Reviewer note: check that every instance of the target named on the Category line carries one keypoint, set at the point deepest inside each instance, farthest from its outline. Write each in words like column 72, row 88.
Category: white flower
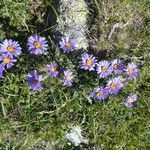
column 75, row 137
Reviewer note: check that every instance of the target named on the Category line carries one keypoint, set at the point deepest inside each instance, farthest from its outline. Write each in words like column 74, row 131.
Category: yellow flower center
column 10, row 48
column 88, row 62
column 130, row 71
column 112, row 86
column 37, row 44
column 100, row 92
column 6, row 60
column 52, row 69
column 103, row 69
column 67, row 44
column 130, row 100
column 68, row 77
column 116, row 66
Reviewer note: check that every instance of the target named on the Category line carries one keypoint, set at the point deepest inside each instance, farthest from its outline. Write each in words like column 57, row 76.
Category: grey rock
column 73, row 21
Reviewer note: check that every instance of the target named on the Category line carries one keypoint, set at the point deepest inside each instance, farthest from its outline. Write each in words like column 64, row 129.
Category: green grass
column 27, row 117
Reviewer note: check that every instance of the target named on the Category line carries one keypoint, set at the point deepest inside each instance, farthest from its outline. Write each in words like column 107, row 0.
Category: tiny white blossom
column 75, row 137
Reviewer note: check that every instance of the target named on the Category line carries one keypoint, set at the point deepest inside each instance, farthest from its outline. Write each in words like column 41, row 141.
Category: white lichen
column 75, row 136
column 73, row 21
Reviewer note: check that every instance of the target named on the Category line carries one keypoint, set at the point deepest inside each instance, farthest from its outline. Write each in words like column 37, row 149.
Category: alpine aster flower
column 100, row 93
column 120, row 80
column 112, row 86
column 34, row 80
column 52, row 69
column 66, row 44
column 36, row 44
column 131, row 70
column 117, row 66
column 7, row 60
column 10, row 47
column 67, row 77
column 88, row 62
column 130, row 99
column 104, row 68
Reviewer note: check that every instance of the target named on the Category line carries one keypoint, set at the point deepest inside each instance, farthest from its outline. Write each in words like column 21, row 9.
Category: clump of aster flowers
column 88, row 62
column 114, row 84
column 37, row 44
column 66, row 44
column 34, row 80
column 8, row 50
column 112, row 87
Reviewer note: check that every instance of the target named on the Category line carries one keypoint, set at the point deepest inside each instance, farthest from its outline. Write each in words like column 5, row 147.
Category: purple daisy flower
column 52, row 69
column 88, row 62
column 101, row 93
column 131, row 70
column 68, row 77
column 34, row 80
column 11, row 47
column 7, row 60
column 104, row 68
column 120, row 80
column 112, row 86
column 130, row 99
column 117, row 66
column 37, row 45
column 66, row 44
